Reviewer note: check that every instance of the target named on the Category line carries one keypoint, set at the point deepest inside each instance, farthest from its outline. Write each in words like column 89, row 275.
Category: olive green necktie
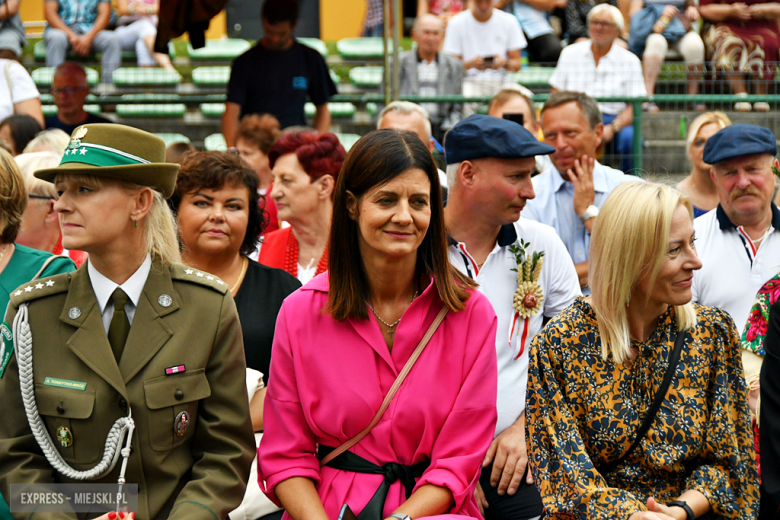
column 120, row 325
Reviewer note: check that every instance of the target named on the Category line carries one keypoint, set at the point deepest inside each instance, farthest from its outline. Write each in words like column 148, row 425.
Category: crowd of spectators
column 595, row 341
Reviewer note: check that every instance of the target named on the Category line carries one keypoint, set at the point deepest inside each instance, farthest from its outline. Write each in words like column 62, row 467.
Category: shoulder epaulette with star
column 188, row 274
column 40, row 288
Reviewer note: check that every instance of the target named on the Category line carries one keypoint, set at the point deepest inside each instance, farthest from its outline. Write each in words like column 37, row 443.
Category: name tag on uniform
column 64, row 383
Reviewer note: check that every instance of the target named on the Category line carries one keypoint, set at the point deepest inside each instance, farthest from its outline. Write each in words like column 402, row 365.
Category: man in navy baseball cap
column 489, row 166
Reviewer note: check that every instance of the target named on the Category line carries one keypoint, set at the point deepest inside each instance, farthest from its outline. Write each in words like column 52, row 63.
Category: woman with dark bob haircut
column 342, row 341
column 215, row 203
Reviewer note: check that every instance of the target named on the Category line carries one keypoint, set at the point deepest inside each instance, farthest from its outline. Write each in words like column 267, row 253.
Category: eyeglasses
column 42, row 197
column 601, row 25
column 67, row 90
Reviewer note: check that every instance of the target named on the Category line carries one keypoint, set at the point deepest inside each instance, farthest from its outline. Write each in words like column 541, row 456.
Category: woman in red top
column 305, row 167
column 256, row 135
column 744, row 39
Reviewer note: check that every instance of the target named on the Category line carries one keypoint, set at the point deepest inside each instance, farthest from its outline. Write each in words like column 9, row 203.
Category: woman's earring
column 135, row 222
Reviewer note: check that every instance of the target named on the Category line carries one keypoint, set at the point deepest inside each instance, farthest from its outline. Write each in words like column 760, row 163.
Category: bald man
column 70, row 89
column 427, row 72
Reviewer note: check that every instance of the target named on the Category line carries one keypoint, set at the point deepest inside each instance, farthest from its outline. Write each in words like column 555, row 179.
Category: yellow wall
column 31, row 11
column 338, row 18
column 341, row 19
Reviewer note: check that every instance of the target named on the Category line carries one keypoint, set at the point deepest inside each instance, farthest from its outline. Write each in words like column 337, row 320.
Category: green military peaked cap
column 117, row 152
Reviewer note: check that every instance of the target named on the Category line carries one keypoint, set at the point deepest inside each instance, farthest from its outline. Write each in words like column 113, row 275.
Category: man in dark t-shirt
column 70, row 89
column 276, row 76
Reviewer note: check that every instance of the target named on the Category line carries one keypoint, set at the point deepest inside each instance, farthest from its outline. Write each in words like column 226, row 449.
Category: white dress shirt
column 104, row 289
column 560, row 286
column 619, row 73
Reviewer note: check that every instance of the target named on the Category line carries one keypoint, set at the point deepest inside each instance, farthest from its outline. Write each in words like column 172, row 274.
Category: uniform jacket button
column 179, row 395
column 60, row 410
column 123, row 404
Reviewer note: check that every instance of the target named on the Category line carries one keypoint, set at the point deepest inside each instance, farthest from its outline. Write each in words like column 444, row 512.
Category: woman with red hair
column 305, row 167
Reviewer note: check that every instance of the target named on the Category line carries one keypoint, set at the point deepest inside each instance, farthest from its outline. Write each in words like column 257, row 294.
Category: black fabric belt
column 392, row 471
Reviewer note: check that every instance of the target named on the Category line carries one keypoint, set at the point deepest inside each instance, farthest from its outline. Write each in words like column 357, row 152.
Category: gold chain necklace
column 244, row 265
column 389, row 326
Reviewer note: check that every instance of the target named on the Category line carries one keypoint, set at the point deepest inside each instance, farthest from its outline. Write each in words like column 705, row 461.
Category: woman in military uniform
column 132, row 340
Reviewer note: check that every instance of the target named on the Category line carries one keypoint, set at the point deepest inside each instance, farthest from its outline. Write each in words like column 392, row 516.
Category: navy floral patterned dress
column 583, row 412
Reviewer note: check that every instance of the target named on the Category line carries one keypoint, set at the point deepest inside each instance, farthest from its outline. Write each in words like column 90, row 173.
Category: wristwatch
column 401, row 516
column 591, row 212
column 685, row 506
column 616, row 127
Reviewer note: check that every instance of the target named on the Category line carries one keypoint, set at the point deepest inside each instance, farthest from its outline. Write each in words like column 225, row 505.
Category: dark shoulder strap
column 651, row 413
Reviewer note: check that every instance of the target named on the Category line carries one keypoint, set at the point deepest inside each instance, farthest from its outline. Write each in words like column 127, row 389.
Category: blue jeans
column 105, row 43
column 378, row 30
column 622, row 145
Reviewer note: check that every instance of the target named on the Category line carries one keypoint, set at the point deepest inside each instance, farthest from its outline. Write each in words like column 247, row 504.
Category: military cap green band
column 98, row 155
column 116, row 152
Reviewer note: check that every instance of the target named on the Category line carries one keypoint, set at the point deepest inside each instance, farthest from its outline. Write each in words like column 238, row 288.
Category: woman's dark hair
column 261, row 131
column 319, row 154
column 23, row 129
column 212, row 171
column 376, row 159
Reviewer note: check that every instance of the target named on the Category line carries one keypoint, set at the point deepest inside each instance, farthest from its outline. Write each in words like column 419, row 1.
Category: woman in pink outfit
column 343, row 338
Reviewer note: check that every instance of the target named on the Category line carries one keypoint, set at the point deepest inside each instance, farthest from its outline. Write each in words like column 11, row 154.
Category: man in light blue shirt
column 570, row 193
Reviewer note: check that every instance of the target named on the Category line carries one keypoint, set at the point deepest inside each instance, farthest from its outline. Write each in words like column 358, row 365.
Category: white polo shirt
column 619, row 74
column 560, row 286
column 732, row 270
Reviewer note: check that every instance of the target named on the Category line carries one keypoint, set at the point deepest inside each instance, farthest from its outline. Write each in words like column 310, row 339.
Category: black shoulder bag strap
column 651, row 413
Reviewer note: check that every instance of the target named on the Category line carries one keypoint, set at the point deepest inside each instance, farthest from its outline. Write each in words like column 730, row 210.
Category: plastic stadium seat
column 366, row 77
column 337, row 110
column 372, row 109
column 211, row 76
column 222, row 49
column 43, row 76
column 148, row 97
column 347, row 140
column 362, row 48
column 533, row 76
column 215, row 142
column 169, row 110
column 335, row 77
column 136, row 76
column 173, row 138
column 316, row 44
column 50, row 110
column 39, row 53
column 212, row 109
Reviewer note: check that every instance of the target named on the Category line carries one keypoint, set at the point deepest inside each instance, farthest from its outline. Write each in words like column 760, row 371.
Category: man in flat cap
column 524, row 270
column 738, row 242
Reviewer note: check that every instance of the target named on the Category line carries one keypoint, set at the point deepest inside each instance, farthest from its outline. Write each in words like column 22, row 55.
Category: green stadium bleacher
column 372, row 109
column 347, row 140
column 212, row 109
column 211, row 76
column 42, row 76
column 362, row 48
column 169, row 110
column 316, row 44
column 366, row 77
column 335, row 77
column 215, row 142
column 530, row 77
column 337, row 110
column 145, row 77
column 222, row 49
column 152, row 97
column 173, row 138
column 39, row 54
